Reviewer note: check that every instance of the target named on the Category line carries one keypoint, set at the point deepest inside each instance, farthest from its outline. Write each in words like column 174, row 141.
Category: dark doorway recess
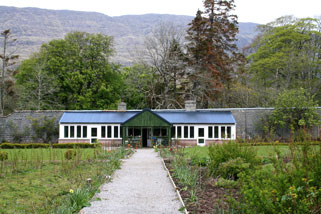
column 145, row 136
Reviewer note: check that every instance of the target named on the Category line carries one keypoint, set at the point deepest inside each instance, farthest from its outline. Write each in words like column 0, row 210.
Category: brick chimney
column 190, row 105
column 122, row 106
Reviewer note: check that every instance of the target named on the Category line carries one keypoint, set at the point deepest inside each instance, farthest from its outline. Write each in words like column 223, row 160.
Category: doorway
column 146, row 137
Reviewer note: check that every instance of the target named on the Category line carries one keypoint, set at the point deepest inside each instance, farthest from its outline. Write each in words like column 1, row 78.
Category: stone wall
column 246, row 119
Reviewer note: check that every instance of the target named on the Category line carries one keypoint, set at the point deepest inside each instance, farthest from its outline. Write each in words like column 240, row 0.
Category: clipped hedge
column 23, row 146
column 278, row 144
column 43, row 145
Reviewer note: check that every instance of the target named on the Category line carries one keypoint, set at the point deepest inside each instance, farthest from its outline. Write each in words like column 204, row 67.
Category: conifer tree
column 212, row 52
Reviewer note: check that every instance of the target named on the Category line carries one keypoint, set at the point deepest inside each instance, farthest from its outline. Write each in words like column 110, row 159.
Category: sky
column 258, row 11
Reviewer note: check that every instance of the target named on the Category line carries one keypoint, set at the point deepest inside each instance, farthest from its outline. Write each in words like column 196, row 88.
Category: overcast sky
column 259, row 11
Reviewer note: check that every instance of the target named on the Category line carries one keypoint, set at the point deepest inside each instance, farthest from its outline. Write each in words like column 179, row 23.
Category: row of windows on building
column 178, row 132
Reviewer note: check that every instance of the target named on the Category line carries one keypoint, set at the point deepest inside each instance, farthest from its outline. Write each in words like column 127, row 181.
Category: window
column 157, row 132
column 103, row 131
column 229, row 132
column 163, row 132
column 78, row 131
column 223, row 132
column 115, row 131
column 185, row 131
column 84, row 131
column 72, row 131
column 66, row 131
column 173, row 132
column 137, row 132
column 200, row 132
column 179, row 132
column 94, row 132
column 108, row 131
column 210, row 132
column 121, row 132
column 215, row 131
column 191, row 132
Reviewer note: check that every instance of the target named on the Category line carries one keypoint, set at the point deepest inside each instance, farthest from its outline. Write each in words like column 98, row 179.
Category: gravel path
column 140, row 186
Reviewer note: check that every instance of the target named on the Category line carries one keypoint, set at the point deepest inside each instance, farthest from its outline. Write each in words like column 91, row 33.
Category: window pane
column 201, row 132
column 229, row 132
column 191, row 132
column 185, row 131
column 216, row 132
column 84, row 131
column 66, row 131
column 223, row 132
column 157, row 132
column 173, row 132
column 210, row 132
column 115, row 131
column 137, row 132
column 179, row 132
column 78, row 131
column 72, row 131
column 201, row 141
column 130, row 132
column 164, row 132
column 108, row 131
column 94, row 132
column 121, row 132
column 103, row 131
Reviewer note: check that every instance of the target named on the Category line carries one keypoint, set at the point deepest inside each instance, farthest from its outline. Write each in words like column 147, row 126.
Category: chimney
column 190, row 105
column 122, row 106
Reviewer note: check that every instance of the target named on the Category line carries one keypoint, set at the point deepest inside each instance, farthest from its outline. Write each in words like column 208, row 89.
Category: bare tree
column 165, row 55
column 8, row 60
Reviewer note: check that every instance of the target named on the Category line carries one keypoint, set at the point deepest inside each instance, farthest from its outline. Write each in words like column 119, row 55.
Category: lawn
column 39, row 180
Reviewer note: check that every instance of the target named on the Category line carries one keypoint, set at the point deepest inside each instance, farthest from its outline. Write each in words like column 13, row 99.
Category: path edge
column 174, row 185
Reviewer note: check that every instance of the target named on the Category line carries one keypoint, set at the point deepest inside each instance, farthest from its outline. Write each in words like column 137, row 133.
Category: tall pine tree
column 212, row 52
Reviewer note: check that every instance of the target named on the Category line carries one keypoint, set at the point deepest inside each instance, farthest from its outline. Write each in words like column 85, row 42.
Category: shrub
column 70, row 154
column 292, row 187
column 228, row 151
column 45, row 129
column 23, row 146
column 231, row 168
column 3, row 156
column 225, row 183
column 75, row 145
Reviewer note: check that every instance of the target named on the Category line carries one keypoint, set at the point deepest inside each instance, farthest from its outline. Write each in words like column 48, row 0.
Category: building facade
column 147, row 127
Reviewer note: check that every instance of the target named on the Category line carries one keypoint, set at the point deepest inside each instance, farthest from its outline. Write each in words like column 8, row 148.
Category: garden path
column 140, row 186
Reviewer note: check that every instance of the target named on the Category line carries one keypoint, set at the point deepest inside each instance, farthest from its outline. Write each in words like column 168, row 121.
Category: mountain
column 33, row 27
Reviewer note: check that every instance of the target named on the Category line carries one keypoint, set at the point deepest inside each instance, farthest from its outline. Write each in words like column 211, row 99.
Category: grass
column 39, row 180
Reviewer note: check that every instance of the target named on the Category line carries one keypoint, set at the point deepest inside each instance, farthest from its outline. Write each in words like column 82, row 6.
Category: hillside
column 34, row 26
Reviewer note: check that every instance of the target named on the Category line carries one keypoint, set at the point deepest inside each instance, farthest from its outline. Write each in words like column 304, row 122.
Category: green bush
column 231, row 168
column 228, row 151
column 23, row 146
column 75, row 145
column 70, row 154
column 3, row 156
column 225, row 183
column 285, row 187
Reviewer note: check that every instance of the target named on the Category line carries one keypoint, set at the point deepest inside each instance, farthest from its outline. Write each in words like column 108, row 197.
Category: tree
column 37, row 87
column 8, row 59
column 287, row 56
column 296, row 110
column 212, row 51
column 82, row 76
column 165, row 55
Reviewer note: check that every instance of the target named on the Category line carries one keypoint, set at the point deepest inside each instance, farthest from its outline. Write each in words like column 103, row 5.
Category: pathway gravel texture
column 140, row 186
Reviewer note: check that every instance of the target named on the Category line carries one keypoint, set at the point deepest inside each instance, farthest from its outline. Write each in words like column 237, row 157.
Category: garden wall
column 246, row 119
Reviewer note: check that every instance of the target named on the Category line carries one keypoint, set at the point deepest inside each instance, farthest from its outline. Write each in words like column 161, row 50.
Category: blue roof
column 172, row 116
column 94, row 117
column 198, row 117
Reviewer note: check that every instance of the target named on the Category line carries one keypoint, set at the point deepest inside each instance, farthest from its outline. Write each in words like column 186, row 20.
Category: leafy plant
column 70, row 154
column 45, row 129
column 3, row 156
column 231, row 168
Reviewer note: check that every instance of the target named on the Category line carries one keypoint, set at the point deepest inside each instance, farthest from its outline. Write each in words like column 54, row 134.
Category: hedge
column 43, row 145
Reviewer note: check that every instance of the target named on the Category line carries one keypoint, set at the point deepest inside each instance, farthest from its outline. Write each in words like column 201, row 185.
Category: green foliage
column 23, row 146
column 45, row 129
column 226, row 183
column 3, row 156
column 70, row 154
column 75, row 145
column 17, row 134
column 76, row 71
column 231, row 168
column 289, row 187
column 233, row 152
column 186, row 175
